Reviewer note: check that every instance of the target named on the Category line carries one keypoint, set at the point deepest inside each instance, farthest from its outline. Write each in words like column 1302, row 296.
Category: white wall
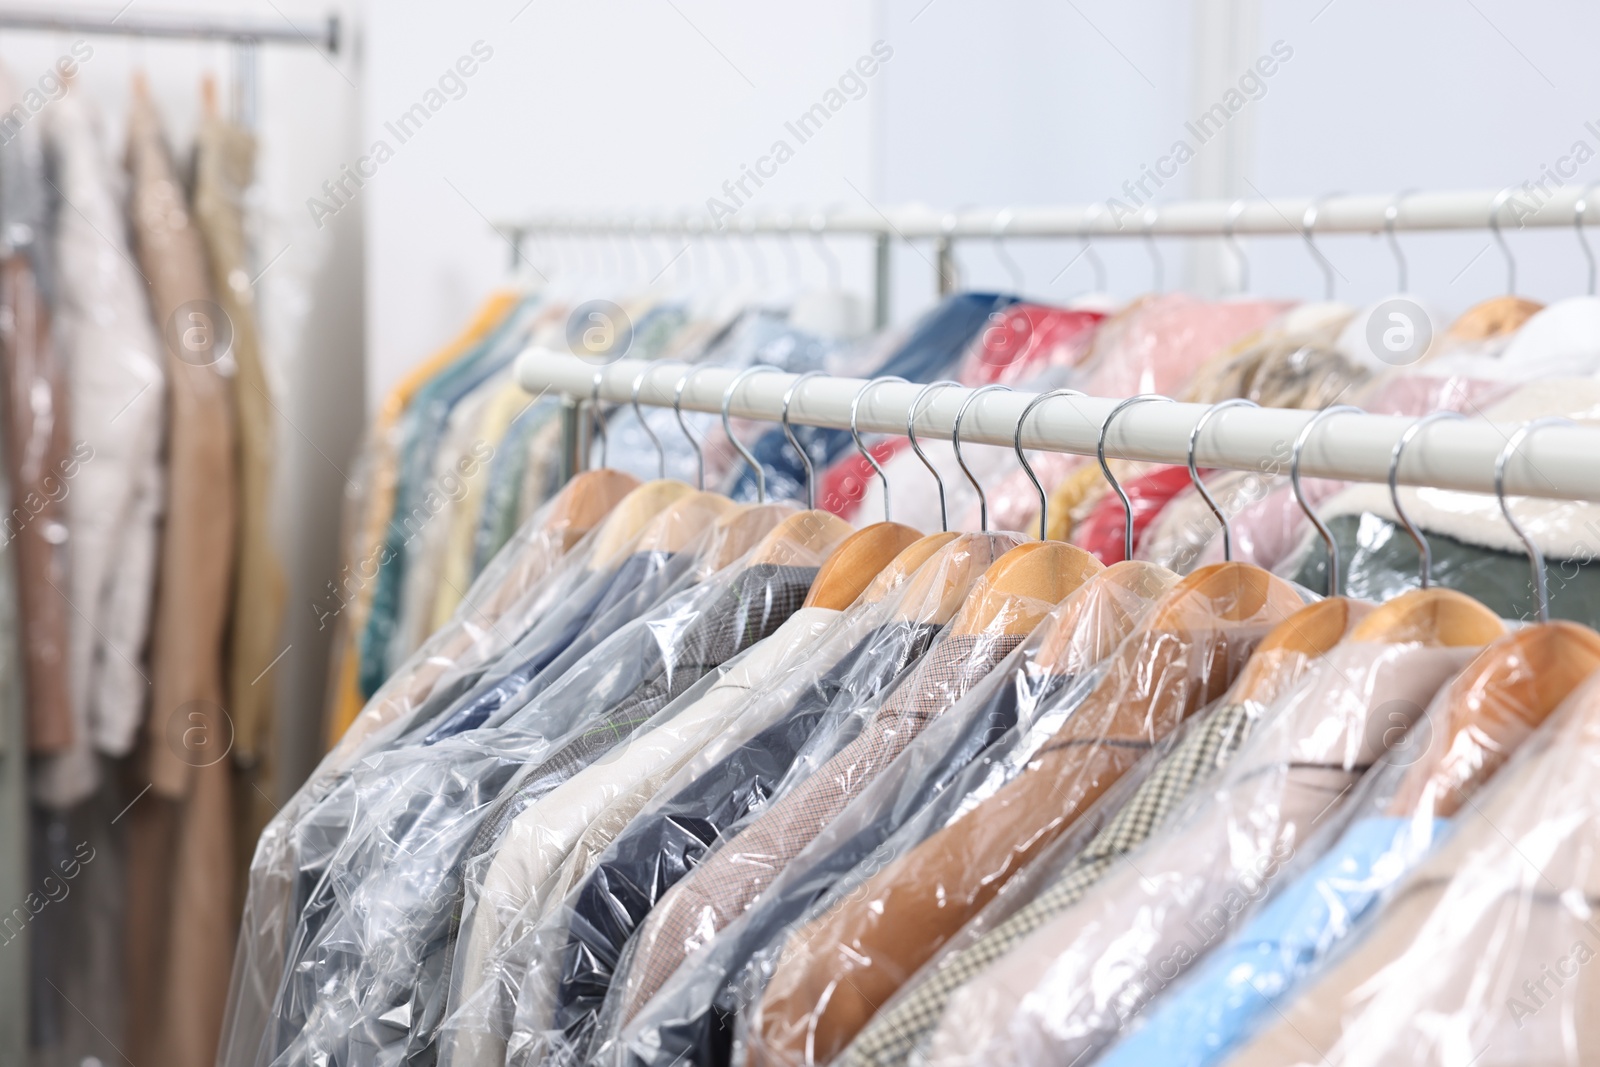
column 310, row 290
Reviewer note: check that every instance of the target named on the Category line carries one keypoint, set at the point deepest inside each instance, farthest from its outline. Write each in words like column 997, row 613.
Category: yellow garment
column 455, row 569
column 372, row 513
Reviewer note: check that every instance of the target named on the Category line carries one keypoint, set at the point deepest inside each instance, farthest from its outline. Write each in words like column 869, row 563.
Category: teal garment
column 502, row 499
column 421, row 429
column 16, row 921
column 1245, row 981
column 1378, row 561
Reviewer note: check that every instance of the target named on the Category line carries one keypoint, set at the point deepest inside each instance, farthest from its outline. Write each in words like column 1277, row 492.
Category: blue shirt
column 1220, row 1007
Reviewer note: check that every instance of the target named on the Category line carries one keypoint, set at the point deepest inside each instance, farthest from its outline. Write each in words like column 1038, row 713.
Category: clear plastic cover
column 811, row 717
column 1472, row 727
column 1480, row 955
column 835, row 970
column 1073, row 984
column 364, row 968
column 1124, row 816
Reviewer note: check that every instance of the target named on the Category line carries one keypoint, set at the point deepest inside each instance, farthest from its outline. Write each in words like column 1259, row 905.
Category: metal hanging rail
column 323, row 35
column 1557, row 462
column 1512, row 208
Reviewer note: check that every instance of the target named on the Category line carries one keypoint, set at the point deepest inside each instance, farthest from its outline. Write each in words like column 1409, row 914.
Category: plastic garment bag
column 528, row 580
column 812, row 718
column 837, row 969
column 366, row 961
column 1070, row 987
column 1120, row 821
column 1037, row 684
column 1483, row 954
column 1472, row 727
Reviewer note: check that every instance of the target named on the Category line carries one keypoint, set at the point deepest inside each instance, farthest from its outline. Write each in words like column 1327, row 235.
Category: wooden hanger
column 856, row 562
column 1501, row 697
column 1070, row 646
column 585, row 501
column 940, row 586
column 1431, row 616
column 904, row 566
column 1292, row 645
column 739, row 531
column 815, row 532
column 629, row 518
column 682, row 521
column 1020, row 588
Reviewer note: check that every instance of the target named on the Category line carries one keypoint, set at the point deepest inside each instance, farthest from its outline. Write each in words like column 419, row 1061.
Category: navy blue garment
column 702, row 1033
column 932, row 350
column 659, row 849
column 550, row 638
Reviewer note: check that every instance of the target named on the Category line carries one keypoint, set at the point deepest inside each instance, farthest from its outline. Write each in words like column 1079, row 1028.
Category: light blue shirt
column 1221, row 1005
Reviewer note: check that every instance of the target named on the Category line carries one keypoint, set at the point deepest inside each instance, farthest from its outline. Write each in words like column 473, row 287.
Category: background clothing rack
column 1557, row 462
column 246, row 34
column 1514, row 207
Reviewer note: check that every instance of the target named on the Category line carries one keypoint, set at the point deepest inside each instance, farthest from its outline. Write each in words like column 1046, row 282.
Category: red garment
column 1101, row 533
column 1024, row 341
column 842, row 484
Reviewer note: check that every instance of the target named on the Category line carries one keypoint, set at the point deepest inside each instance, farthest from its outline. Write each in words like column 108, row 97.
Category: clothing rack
column 1514, row 207
column 1556, row 462
column 244, row 33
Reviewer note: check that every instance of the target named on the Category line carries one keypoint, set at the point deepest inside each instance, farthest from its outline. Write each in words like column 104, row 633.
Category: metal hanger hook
column 1158, row 268
column 955, row 441
column 661, row 453
column 594, row 414
column 1541, row 591
column 1236, row 209
column 677, row 409
column 1002, row 222
column 794, row 442
column 855, row 434
column 1199, row 482
column 911, row 435
column 1424, row 550
column 1500, row 239
column 1027, row 468
column 1299, row 494
column 1390, row 215
column 727, row 428
column 1105, row 468
column 1578, row 211
column 1308, row 223
column 1100, row 277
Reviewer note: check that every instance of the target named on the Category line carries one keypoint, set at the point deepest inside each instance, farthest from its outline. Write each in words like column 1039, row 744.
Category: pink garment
column 1155, row 348
column 1266, row 531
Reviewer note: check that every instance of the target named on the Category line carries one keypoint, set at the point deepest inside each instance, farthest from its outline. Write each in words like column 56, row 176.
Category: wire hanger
column 1199, row 482
column 1308, row 223
column 1578, row 210
column 1158, row 269
column 1002, row 222
column 727, row 428
column 1105, row 468
column 955, row 441
column 598, row 419
column 661, row 453
column 1499, row 238
column 855, row 434
column 1390, row 215
column 1424, row 550
column 1027, row 468
column 694, row 443
column 1089, row 250
column 794, row 442
column 1236, row 209
column 1541, row 591
column 911, row 435
column 1299, row 494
